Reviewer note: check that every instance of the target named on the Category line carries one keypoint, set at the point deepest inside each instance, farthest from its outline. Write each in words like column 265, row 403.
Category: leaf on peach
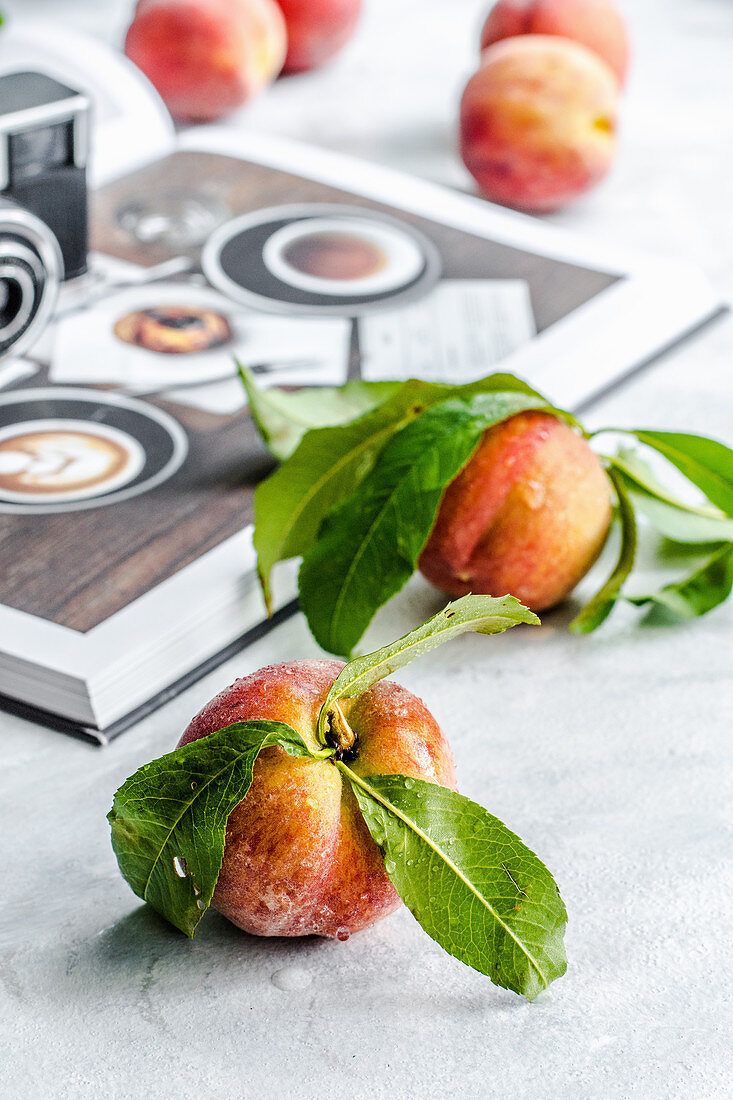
column 283, row 416
column 169, row 819
column 705, row 462
column 368, row 546
column 329, row 463
column 469, row 881
column 480, row 614
column 705, row 588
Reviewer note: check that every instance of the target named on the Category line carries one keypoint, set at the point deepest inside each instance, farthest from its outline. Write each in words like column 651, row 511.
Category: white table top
column 610, row 755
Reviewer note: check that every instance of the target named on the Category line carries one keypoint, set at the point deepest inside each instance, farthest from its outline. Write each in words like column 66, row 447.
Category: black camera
column 44, row 146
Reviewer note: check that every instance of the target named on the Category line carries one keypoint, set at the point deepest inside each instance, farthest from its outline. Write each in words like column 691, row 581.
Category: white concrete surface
column 610, row 755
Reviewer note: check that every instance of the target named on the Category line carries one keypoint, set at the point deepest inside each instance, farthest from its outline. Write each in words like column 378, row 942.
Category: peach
column 317, row 29
column 207, row 57
column 298, row 858
column 528, row 514
column 538, row 122
column 597, row 24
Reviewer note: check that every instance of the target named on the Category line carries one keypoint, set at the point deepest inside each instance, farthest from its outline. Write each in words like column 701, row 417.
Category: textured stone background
column 611, row 755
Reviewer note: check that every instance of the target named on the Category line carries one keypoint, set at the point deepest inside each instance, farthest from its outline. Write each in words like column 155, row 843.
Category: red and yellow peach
column 317, row 29
column 538, row 122
column 597, row 24
column 528, row 515
column 207, row 57
column 299, row 859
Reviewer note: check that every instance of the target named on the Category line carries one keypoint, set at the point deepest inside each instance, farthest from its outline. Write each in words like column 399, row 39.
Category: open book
column 127, row 565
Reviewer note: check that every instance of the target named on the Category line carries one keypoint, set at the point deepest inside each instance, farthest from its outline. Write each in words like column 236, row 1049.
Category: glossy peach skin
column 207, row 57
column 317, row 29
column 538, row 122
column 597, row 24
column 528, row 515
column 298, row 858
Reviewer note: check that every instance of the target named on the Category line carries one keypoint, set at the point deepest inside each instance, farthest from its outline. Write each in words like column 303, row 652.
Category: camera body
column 44, row 148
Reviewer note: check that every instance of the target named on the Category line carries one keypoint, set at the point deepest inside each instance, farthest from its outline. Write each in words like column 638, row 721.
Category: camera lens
column 9, row 301
column 30, row 270
column 16, row 300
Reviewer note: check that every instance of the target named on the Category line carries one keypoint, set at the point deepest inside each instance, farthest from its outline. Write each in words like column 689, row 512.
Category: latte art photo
column 62, row 462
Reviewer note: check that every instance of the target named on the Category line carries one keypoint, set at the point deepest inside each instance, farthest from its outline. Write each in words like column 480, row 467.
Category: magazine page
column 207, row 257
column 128, row 459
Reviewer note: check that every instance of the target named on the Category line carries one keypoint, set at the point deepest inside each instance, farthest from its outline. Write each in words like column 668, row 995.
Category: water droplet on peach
column 342, row 934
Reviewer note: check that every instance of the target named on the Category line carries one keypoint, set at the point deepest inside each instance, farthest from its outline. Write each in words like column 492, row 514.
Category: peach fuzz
column 597, row 24
column 299, row 859
column 528, row 515
column 207, row 57
column 538, row 122
column 317, row 29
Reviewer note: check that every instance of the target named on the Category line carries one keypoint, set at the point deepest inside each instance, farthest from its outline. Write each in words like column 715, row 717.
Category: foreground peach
column 597, row 24
column 538, row 122
column 298, row 858
column 529, row 515
column 317, row 29
column 207, row 57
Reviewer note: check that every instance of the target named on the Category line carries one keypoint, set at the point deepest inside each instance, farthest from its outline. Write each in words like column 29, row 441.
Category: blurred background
column 391, row 95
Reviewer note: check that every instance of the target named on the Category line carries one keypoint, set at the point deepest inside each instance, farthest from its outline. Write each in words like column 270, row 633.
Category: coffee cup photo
column 320, row 259
column 342, row 256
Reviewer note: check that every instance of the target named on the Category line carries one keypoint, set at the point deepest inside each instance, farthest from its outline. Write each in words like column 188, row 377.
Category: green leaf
column 169, row 819
column 283, row 416
column 368, row 547
column 677, row 523
column 482, row 614
column 705, row 462
column 640, row 477
column 599, row 608
column 291, row 504
column 471, row 883
column 707, row 587
column 329, row 463
column 672, row 517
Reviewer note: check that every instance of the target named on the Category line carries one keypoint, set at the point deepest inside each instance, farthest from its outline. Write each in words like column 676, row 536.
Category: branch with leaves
column 364, row 468
column 469, row 881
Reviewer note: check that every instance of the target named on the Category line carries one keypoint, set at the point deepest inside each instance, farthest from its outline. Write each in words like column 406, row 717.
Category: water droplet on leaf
column 179, row 866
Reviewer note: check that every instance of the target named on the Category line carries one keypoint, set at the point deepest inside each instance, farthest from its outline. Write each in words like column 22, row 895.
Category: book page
column 456, row 333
